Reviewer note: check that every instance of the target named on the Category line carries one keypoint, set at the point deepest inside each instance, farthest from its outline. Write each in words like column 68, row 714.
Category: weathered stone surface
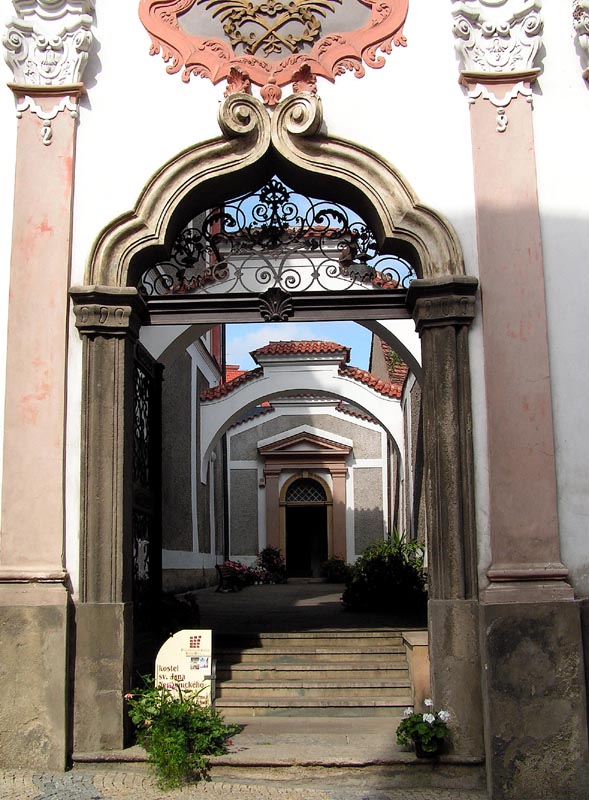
column 456, row 677
column 102, row 675
column 33, row 676
column 535, row 704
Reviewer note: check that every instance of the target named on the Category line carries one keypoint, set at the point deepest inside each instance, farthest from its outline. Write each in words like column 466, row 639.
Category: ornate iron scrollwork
column 275, row 238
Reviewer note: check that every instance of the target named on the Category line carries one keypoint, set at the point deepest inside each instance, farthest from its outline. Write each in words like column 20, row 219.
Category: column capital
column 108, row 311
column 498, row 43
column 438, row 302
column 47, row 46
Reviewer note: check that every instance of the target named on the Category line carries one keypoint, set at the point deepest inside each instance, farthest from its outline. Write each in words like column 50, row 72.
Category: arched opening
column 306, row 526
column 110, row 312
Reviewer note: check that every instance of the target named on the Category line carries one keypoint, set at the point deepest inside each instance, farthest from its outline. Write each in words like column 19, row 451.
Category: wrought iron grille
column 141, row 429
column 146, row 522
column 305, row 490
column 275, row 238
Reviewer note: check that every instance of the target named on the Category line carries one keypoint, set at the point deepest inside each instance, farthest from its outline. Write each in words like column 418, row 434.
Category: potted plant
column 426, row 732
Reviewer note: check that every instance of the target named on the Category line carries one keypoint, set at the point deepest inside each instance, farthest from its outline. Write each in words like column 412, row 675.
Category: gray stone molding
column 581, row 25
column 290, row 145
column 107, row 311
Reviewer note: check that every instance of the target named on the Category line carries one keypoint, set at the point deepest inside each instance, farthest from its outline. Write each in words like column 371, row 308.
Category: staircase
column 335, row 673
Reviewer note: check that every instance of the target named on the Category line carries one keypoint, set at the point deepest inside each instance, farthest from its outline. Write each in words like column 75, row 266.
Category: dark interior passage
column 306, row 540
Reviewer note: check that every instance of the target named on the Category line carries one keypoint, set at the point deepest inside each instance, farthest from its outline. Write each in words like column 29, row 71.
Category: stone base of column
column 535, row 703
column 34, row 624
column 104, row 647
column 456, row 671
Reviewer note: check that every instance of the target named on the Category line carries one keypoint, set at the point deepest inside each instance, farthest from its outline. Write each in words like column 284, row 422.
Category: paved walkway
column 129, row 785
column 298, row 605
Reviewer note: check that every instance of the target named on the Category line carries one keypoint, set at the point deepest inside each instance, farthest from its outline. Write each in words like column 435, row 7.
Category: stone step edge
column 328, row 651
column 348, row 633
column 307, row 702
column 137, row 755
column 302, row 684
column 297, row 666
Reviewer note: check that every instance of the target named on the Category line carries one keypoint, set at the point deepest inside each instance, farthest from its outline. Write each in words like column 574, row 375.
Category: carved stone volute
column 107, row 311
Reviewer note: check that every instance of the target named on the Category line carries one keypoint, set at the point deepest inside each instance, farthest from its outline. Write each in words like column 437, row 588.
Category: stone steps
column 324, row 673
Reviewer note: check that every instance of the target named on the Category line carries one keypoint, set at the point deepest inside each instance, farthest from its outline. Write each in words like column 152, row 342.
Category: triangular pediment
column 307, row 443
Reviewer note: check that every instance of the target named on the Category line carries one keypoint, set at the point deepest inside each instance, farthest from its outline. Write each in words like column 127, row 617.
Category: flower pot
column 421, row 753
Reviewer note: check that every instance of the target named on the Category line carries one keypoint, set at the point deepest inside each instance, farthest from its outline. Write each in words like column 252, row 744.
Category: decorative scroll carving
column 276, row 305
column 238, row 82
column 581, row 23
column 270, row 29
column 49, row 42
column 47, row 47
column 498, row 41
column 303, row 81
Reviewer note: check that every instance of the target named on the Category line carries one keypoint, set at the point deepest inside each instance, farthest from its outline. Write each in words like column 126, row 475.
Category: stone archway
column 109, row 312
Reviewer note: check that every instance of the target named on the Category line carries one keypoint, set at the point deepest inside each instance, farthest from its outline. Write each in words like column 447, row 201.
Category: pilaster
column 47, row 45
column 443, row 309
column 108, row 320
column 533, row 676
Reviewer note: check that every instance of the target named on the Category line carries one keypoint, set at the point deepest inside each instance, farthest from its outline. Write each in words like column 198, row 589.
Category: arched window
column 305, row 490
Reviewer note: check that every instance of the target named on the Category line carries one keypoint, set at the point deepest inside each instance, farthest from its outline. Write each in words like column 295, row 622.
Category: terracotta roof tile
column 343, row 408
column 232, row 371
column 299, row 347
column 362, row 375
column 216, row 392
column 257, row 411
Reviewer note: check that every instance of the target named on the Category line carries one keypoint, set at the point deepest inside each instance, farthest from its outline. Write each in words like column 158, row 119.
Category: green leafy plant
column 177, row 731
column 271, row 561
column 335, row 570
column 425, row 731
column 388, row 576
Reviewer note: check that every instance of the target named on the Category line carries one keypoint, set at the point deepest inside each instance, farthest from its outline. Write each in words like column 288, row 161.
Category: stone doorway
column 110, row 311
column 306, row 528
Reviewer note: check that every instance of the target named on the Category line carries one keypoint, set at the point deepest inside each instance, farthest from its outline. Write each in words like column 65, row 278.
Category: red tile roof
column 343, row 408
column 232, row 371
column 285, row 348
column 363, row 376
column 300, row 347
column 216, row 392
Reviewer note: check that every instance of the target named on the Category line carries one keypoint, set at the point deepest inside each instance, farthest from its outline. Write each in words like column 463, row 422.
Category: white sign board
column 185, row 662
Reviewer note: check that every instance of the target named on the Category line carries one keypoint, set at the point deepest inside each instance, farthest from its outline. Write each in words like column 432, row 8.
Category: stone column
column 443, row 310
column 47, row 47
column 109, row 321
column 535, row 712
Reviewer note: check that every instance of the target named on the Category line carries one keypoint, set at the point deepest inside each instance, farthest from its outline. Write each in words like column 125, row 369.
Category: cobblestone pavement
column 128, row 785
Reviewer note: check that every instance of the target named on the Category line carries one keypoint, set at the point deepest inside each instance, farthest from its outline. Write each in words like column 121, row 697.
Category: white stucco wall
column 413, row 112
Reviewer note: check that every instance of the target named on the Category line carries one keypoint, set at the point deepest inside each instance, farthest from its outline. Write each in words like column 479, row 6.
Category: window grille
column 305, row 490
